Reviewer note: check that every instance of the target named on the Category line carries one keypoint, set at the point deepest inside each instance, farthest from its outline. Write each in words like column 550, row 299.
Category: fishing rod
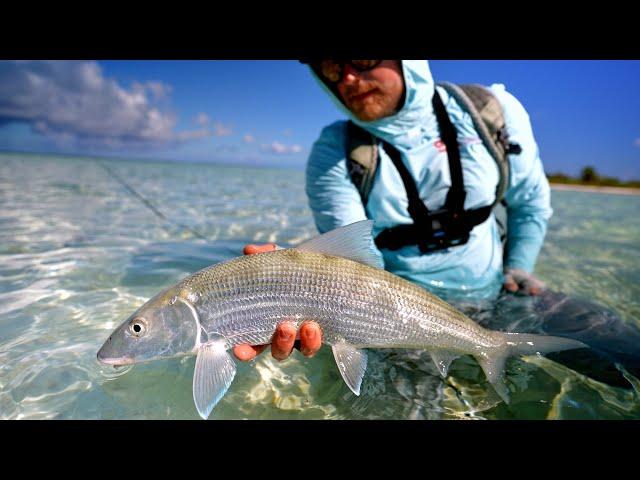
column 147, row 203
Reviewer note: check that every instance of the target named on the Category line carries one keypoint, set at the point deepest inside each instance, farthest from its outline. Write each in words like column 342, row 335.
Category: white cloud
column 222, row 130
column 282, row 149
column 72, row 101
column 202, row 119
column 248, row 138
column 159, row 89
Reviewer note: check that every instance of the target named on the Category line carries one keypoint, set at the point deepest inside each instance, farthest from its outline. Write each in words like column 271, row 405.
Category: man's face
column 375, row 93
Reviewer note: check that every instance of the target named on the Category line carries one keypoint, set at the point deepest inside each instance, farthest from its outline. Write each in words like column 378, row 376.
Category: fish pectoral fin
column 353, row 241
column 442, row 359
column 352, row 363
column 212, row 376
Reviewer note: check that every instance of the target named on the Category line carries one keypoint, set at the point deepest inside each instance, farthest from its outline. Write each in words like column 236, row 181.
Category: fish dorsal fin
column 352, row 364
column 442, row 360
column 352, row 241
column 212, row 376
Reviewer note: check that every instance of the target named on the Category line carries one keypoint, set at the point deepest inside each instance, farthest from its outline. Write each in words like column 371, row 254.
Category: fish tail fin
column 493, row 360
column 530, row 344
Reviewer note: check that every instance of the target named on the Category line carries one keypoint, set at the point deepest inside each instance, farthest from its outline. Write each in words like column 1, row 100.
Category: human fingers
column 509, row 283
column 283, row 340
column 252, row 249
column 310, row 338
column 532, row 286
column 248, row 352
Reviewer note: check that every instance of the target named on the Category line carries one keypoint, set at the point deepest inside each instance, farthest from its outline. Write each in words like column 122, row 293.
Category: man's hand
column 284, row 338
column 518, row 280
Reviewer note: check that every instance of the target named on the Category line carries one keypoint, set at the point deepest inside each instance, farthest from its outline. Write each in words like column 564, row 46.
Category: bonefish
column 334, row 279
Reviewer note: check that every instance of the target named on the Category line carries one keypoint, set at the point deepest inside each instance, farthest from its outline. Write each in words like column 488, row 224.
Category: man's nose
column 350, row 74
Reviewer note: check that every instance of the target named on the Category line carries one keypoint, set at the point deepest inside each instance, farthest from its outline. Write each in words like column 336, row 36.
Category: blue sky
column 266, row 112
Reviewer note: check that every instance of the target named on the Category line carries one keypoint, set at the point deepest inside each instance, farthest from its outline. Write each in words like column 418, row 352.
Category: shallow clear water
column 78, row 254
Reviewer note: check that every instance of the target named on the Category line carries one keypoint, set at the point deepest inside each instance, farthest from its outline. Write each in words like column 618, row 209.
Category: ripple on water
column 47, row 390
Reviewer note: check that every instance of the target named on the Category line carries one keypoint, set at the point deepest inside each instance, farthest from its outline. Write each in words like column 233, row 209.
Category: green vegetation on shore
column 589, row 176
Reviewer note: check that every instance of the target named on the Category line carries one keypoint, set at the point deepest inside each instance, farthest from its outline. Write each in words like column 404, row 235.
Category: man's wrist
column 512, row 267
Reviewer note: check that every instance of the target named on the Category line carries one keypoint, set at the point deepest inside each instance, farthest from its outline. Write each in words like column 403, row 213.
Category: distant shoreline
column 556, row 186
column 596, row 189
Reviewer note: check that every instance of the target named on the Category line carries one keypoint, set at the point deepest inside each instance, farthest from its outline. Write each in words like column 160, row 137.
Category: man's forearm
column 524, row 241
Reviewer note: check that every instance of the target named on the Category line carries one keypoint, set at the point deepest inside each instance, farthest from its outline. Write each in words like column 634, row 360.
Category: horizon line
column 159, row 160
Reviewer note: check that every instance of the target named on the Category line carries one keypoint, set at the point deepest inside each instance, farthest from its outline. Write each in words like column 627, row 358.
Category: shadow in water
column 611, row 339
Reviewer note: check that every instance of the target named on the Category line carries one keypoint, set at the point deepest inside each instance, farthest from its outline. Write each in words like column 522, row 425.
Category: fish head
column 166, row 326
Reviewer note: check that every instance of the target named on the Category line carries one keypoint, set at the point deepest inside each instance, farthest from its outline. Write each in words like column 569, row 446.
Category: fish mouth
column 115, row 361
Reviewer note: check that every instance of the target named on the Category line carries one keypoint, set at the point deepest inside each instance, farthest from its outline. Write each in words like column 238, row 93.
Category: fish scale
column 365, row 306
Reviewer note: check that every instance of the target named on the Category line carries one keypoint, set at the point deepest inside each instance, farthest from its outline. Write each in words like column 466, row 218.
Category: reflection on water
column 78, row 255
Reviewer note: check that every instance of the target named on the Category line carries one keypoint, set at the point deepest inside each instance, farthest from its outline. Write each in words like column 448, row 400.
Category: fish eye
column 138, row 327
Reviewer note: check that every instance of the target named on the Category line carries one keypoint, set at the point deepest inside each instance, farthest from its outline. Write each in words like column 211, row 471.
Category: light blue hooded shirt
column 472, row 270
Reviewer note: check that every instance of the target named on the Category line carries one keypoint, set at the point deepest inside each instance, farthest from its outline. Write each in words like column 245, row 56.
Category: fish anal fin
column 442, row 360
column 493, row 363
column 352, row 363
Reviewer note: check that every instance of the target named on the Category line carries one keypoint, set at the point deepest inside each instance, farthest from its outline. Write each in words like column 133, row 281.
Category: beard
column 368, row 101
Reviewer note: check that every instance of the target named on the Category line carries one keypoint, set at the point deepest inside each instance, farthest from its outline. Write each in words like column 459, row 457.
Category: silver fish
column 334, row 279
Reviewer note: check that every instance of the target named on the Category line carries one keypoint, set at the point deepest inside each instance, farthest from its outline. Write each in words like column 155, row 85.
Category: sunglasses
column 333, row 70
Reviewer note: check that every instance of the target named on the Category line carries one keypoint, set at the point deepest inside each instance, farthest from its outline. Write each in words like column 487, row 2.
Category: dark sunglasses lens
column 365, row 64
column 331, row 70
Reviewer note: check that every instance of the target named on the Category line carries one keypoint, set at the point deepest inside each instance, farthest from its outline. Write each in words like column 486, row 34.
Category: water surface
column 78, row 254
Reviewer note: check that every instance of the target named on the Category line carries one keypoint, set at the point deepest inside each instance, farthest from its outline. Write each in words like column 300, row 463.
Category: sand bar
column 596, row 189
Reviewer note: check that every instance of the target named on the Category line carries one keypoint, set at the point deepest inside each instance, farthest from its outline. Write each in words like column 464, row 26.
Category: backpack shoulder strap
column 488, row 118
column 362, row 158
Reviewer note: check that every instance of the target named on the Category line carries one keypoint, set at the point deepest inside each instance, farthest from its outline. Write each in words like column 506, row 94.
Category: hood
column 404, row 128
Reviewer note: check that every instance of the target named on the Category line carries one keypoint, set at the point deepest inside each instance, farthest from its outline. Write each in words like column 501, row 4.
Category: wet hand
column 521, row 281
column 284, row 341
column 284, row 338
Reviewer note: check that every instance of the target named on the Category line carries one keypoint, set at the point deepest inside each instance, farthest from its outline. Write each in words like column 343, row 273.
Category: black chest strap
column 448, row 226
column 449, row 136
column 456, row 195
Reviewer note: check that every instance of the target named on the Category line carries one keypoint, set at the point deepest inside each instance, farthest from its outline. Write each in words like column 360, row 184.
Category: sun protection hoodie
column 472, row 270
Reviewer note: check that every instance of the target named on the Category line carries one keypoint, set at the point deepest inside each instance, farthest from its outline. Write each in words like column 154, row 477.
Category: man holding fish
column 398, row 104
column 406, row 197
